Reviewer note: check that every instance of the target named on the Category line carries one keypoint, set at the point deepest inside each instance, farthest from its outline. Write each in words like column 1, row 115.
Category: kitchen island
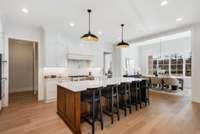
column 69, row 101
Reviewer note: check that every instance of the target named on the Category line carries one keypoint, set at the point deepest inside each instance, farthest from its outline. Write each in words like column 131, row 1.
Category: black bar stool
column 93, row 97
column 125, row 94
column 111, row 94
column 144, row 84
column 134, row 94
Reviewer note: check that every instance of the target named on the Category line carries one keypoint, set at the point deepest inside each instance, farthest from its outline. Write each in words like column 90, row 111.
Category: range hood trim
column 76, row 56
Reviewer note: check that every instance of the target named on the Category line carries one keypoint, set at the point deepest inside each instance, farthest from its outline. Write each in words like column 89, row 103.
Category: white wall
column 24, row 32
column 196, row 63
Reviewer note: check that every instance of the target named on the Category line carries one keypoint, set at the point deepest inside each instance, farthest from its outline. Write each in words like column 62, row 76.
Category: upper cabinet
column 59, row 48
column 55, row 52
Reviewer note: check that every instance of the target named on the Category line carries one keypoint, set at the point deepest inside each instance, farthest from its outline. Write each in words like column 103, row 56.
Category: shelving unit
column 173, row 65
column 155, row 65
column 177, row 66
column 164, row 65
column 188, row 67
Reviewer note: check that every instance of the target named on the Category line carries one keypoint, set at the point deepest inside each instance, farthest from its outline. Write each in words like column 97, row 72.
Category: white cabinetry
column 51, row 89
column 55, row 52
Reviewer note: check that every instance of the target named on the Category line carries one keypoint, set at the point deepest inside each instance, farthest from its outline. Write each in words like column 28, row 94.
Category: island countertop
column 78, row 86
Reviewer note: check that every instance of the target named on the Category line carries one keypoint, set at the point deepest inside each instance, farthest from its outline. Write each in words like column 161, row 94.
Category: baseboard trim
column 195, row 100
column 50, row 100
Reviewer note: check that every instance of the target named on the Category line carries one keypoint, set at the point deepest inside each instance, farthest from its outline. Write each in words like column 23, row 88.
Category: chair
column 171, row 82
column 144, row 87
column 125, row 97
column 111, row 95
column 93, row 97
column 155, row 81
column 135, row 94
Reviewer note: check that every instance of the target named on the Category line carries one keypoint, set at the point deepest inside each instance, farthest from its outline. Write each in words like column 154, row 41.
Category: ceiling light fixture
column 71, row 24
column 89, row 36
column 100, row 32
column 164, row 3
column 122, row 44
column 179, row 19
column 25, row 10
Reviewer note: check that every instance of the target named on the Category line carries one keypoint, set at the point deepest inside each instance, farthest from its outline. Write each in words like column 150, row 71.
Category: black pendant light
column 89, row 36
column 122, row 44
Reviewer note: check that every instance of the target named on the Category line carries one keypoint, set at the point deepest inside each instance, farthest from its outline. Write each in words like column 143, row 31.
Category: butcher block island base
column 68, row 108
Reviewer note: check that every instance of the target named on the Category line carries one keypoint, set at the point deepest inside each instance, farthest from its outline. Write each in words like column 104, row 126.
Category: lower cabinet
column 51, row 89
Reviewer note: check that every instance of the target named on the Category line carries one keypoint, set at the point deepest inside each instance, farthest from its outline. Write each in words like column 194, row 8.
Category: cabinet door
column 51, row 90
column 61, row 54
column 61, row 101
column 56, row 54
column 50, row 54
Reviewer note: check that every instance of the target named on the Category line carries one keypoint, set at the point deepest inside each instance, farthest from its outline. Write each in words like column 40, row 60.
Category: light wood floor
column 167, row 114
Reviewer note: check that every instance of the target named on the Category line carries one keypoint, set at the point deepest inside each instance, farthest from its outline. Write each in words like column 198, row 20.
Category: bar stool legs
column 125, row 93
column 117, row 103
column 111, row 94
column 101, row 112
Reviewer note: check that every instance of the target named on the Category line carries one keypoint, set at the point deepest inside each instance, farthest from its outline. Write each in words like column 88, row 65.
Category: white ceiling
column 141, row 17
column 186, row 34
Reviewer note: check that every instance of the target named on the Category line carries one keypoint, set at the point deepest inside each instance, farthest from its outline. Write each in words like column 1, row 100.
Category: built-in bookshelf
column 188, row 66
column 163, row 64
column 155, row 66
column 171, row 65
column 177, row 66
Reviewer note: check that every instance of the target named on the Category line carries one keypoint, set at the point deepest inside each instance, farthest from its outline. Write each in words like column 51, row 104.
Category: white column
column 196, row 63
column 117, row 62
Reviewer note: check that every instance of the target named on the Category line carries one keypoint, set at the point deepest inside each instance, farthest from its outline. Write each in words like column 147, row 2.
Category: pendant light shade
column 89, row 36
column 122, row 44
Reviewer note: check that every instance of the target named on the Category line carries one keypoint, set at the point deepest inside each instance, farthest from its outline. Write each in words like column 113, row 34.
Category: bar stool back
column 93, row 97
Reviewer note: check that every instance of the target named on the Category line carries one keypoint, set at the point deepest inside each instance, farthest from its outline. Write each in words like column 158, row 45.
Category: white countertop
column 78, row 86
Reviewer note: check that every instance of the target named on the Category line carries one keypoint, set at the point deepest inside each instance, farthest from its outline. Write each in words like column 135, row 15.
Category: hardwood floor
column 167, row 114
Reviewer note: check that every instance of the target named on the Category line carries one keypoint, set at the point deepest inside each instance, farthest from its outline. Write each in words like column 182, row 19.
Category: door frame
column 5, row 99
column 34, row 46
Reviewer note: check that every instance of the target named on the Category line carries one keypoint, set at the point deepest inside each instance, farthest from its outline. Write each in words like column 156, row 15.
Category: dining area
column 92, row 100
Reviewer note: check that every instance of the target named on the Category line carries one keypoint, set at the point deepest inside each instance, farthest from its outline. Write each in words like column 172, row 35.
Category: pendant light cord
column 122, row 25
column 89, row 11
column 160, row 48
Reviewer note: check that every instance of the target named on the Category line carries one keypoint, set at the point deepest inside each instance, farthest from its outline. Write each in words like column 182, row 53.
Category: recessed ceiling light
column 164, row 3
column 179, row 19
column 100, row 32
column 25, row 10
column 71, row 24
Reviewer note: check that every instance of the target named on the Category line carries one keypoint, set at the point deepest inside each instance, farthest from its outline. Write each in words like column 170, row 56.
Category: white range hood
column 76, row 56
